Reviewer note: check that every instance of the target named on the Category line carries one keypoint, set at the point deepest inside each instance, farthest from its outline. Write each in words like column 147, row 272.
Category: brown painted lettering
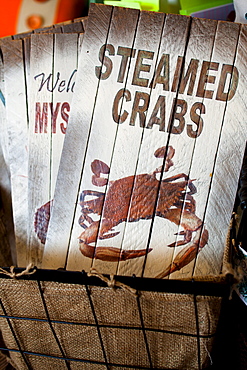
column 160, row 107
column 230, row 72
column 189, row 76
column 206, row 78
column 162, row 78
column 139, row 109
column 141, row 67
column 178, row 116
column 41, row 119
column 177, row 74
column 106, row 61
column 197, row 119
column 126, row 53
column 123, row 93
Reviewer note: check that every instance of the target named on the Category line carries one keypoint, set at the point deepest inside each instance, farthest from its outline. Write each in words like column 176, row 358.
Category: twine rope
column 237, row 274
column 112, row 283
column 30, row 270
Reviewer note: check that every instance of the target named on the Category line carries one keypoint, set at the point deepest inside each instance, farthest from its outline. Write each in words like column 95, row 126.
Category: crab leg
column 187, row 254
column 190, row 223
column 110, row 254
column 41, row 221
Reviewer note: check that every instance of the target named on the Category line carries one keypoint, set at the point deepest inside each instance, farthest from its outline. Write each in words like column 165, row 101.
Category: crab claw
column 98, row 167
column 127, row 255
column 108, row 236
column 183, row 258
column 187, row 238
column 187, row 254
column 110, row 254
column 166, row 153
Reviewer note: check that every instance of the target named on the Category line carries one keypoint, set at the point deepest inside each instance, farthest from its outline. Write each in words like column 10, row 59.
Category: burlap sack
column 3, row 362
column 170, row 339
column 71, row 326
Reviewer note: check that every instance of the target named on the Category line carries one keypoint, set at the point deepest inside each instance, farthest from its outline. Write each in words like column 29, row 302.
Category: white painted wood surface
column 200, row 107
column 66, row 54
column 53, row 65
column 39, row 141
column 104, row 129
column 17, row 136
column 67, row 186
column 125, row 156
column 203, row 162
column 156, row 136
column 16, row 54
column 4, row 136
column 226, row 169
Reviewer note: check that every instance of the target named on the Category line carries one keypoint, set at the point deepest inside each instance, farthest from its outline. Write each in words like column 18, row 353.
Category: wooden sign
column 151, row 125
column 79, row 127
column 15, row 100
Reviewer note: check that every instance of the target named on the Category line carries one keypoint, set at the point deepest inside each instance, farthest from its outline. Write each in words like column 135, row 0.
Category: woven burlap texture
column 169, row 321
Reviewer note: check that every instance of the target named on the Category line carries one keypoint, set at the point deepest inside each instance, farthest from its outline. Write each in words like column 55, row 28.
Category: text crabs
column 191, row 80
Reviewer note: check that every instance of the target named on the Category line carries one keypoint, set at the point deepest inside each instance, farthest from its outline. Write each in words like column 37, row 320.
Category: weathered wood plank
column 155, row 136
column 4, row 135
column 26, row 56
column 8, row 85
column 227, row 166
column 39, row 145
column 75, row 143
column 202, row 170
column 199, row 47
column 104, row 129
column 129, row 136
column 6, row 259
column 184, row 131
column 75, row 26
column 17, row 127
column 54, row 59
column 66, row 53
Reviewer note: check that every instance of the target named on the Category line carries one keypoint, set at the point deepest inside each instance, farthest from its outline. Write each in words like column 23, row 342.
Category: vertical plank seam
column 190, row 165
column 52, row 104
column 191, row 160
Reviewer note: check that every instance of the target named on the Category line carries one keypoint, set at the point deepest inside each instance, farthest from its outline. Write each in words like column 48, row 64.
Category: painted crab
column 133, row 198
